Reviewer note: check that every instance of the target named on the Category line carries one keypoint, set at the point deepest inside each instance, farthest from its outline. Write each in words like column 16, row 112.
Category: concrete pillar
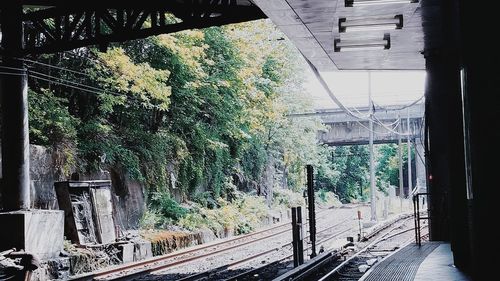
column 444, row 117
column 481, row 114
column 447, row 167
column 14, row 94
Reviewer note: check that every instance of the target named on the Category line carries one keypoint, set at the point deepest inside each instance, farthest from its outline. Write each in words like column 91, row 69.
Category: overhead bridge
column 390, row 125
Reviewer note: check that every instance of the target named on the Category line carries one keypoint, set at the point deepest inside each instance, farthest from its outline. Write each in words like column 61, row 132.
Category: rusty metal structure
column 88, row 211
column 55, row 25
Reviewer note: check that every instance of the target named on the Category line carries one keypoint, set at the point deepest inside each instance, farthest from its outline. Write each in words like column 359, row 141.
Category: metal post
column 410, row 182
column 300, row 246
column 295, row 238
column 359, row 225
column 418, row 221
column 401, row 178
column 14, row 115
column 373, row 203
column 311, row 209
column 415, row 218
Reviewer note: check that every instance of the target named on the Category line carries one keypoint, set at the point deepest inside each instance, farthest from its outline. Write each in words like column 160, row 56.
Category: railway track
column 222, row 273
column 136, row 270
column 227, row 275
column 271, row 271
column 386, row 242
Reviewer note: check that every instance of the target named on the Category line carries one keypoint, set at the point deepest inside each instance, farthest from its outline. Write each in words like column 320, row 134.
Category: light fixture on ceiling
column 362, row 45
column 356, row 3
column 367, row 24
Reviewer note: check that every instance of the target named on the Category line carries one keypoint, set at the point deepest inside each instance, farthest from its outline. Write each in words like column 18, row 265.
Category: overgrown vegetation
column 202, row 114
column 344, row 170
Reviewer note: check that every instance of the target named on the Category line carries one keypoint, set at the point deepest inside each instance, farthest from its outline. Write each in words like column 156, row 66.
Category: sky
column 351, row 87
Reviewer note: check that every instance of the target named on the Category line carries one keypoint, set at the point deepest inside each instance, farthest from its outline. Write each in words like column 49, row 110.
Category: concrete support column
column 14, row 113
column 444, row 118
column 448, row 209
column 482, row 116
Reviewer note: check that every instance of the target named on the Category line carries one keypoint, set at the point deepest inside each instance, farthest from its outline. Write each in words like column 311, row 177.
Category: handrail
column 417, row 217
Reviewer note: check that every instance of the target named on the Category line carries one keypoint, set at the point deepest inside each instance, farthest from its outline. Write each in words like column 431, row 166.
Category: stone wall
column 128, row 197
column 43, row 176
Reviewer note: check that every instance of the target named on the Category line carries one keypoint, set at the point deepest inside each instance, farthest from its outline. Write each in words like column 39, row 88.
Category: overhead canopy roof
column 313, row 26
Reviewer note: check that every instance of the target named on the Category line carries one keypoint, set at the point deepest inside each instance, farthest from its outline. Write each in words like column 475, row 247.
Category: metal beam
column 63, row 27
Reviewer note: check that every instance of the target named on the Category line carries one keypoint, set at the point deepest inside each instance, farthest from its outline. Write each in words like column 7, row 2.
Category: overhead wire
column 346, row 109
column 59, row 82
column 366, row 117
column 75, row 83
column 72, row 84
column 391, row 129
column 12, row 74
column 57, row 67
column 80, row 86
column 330, row 93
column 13, row 68
column 399, row 108
column 63, row 84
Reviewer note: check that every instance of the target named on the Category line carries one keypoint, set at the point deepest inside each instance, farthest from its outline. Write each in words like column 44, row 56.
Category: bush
column 167, row 207
column 254, row 209
column 49, row 119
column 205, row 199
column 241, row 216
column 198, row 220
column 151, row 219
column 327, row 199
column 285, row 198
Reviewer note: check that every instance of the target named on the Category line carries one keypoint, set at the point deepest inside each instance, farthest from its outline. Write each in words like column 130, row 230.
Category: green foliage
column 189, row 111
column 322, row 195
column 388, row 165
column 151, row 219
column 50, row 121
column 205, row 200
column 287, row 199
column 241, row 216
column 167, row 207
column 254, row 158
column 327, row 199
column 347, row 172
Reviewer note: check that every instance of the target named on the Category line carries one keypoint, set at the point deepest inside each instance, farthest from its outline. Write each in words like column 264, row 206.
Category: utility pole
column 373, row 203
column 410, row 188
column 400, row 161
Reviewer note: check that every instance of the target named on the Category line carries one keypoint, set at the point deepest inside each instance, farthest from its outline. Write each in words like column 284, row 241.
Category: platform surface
column 439, row 266
column 431, row 261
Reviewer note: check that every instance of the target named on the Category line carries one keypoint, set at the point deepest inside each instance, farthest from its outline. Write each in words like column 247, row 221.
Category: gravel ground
column 345, row 216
